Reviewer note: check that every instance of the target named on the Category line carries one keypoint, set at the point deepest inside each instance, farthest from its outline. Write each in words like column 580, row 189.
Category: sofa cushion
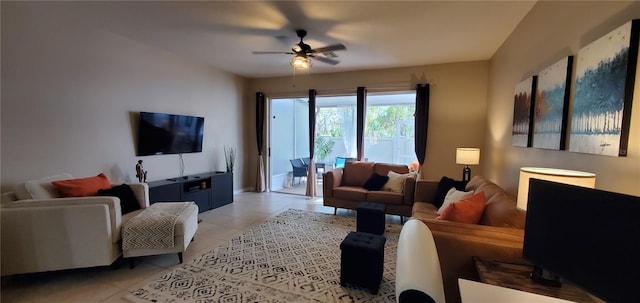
column 424, row 210
column 474, row 183
column 353, row 193
column 356, row 173
column 501, row 211
column 41, row 188
column 376, row 182
column 386, row 197
column 385, row 168
column 490, row 189
column 128, row 200
column 444, row 186
column 452, row 196
column 468, row 210
column 82, row 187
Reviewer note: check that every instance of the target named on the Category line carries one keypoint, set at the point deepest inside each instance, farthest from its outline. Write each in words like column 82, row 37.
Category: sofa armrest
column 44, row 238
column 457, row 243
column 409, row 190
column 418, row 274
column 111, row 204
column 426, row 190
column 330, row 180
column 141, row 190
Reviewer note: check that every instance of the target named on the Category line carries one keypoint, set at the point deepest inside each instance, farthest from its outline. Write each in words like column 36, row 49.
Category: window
column 389, row 129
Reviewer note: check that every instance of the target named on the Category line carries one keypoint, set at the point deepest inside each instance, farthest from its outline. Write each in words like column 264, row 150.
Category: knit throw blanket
column 154, row 227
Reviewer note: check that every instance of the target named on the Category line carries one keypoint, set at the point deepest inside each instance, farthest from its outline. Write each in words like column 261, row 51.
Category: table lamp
column 467, row 156
column 571, row 177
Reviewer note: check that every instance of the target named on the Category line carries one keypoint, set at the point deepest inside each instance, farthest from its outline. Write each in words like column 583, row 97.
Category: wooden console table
column 516, row 276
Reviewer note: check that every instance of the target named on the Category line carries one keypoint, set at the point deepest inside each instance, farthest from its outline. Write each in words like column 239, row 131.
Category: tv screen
column 160, row 134
column 587, row 236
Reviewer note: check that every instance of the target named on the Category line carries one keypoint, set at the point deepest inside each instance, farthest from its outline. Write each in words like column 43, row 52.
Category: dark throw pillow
column 128, row 200
column 376, row 182
column 444, row 186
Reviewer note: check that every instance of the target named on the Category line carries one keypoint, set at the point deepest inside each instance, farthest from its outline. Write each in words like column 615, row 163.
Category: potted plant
column 324, row 146
column 230, row 158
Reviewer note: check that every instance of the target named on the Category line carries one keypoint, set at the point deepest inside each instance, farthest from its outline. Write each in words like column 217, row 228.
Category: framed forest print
column 523, row 101
column 552, row 105
column 605, row 78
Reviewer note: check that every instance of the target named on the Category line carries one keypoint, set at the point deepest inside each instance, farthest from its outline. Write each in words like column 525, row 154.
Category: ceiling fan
column 303, row 52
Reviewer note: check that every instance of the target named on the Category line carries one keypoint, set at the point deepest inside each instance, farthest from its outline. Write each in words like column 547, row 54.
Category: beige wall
column 457, row 104
column 68, row 93
column 551, row 31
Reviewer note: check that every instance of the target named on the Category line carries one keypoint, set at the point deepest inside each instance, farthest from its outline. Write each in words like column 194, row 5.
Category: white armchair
column 418, row 273
column 46, row 234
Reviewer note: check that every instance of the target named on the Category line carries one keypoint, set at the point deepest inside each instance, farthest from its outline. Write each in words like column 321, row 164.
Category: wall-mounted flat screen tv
column 161, row 134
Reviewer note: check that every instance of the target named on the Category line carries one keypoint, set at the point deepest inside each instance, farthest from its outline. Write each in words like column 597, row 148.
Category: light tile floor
column 111, row 283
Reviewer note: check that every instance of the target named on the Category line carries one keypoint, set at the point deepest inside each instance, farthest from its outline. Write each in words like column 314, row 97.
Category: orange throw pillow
column 468, row 210
column 82, row 187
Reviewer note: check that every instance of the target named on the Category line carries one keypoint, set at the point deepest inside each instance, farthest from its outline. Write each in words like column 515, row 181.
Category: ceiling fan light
column 300, row 62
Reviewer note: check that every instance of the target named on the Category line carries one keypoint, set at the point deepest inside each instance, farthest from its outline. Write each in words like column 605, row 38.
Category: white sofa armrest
column 44, row 238
column 418, row 273
column 113, row 209
column 141, row 190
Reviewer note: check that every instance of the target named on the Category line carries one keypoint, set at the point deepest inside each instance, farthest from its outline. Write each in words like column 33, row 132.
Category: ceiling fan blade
column 329, row 48
column 266, row 53
column 324, row 60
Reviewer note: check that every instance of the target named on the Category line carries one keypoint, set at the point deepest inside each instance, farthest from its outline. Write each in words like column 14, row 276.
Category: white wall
column 457, row 107
column 551, row 31
column 68, row 94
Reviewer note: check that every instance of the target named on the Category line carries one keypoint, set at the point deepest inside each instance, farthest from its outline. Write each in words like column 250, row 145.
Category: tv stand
column 518, row 276
column 208, row 190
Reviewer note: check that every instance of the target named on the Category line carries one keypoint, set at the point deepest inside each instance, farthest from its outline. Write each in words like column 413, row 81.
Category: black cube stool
column 361, row 260
column 370, row 218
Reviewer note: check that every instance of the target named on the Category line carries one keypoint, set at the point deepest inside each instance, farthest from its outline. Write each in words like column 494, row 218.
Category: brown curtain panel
column 421, row 124
column 311, row 174
column 260, row 176
column 361, row 108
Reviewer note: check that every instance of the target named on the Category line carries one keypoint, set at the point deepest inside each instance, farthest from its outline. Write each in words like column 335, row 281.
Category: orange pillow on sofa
column 82, row 187
column 468, row 210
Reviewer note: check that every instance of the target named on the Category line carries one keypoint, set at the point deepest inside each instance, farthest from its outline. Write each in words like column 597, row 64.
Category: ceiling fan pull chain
column 294, row 77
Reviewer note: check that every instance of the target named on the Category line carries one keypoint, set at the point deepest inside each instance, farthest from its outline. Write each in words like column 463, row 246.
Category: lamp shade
column 467, row 156
column 571, row 177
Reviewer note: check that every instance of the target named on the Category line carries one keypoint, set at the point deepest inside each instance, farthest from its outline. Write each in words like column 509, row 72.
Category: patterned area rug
column 293, row 257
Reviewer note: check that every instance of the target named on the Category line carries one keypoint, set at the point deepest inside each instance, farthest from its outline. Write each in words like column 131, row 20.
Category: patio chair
column 340, row 161
column 299, row 168
column 307, row 160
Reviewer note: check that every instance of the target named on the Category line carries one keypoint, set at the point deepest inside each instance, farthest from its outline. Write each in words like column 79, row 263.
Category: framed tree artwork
column 552, row 105
column 523, row 101
column 605, row 78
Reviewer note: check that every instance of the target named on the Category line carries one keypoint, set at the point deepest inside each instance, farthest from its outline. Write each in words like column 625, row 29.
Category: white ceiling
column 377, row 34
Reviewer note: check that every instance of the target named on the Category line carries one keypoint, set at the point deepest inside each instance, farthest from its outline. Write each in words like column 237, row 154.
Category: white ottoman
column 162, row 228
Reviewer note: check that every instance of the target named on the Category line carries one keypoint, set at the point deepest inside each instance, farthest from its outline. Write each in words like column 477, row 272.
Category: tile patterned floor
column 108, row 284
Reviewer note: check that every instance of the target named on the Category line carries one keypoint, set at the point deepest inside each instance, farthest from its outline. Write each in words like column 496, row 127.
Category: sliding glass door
column 289, row 142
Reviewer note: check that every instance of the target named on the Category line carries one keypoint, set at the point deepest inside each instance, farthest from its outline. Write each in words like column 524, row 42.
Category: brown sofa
column 498, row 235
column 343, row 187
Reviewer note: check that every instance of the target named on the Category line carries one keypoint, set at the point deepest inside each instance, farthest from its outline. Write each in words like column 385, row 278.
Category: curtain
column 311, row 171
column 421, row 124
column 260, row 176
column 347, row 115
column 361, row 108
